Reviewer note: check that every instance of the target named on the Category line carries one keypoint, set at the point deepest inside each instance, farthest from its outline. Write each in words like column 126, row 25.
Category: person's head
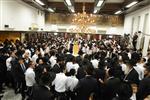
column 130, row 63
column 88, row 68
column 40, row 61
column 96, row 56
column 124, row 91
column 21, row 60
column 111, row 72
column 72, row 72
column 31, row 64
column 47, row 78
column 37, row 52
column 143, row 60
column 60, row 58
column 147, row 70
column 52, row 53
column 26, row 55
column 62, row 67
column 71, row 58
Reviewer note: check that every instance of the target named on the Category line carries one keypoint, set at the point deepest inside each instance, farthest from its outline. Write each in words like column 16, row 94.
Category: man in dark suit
column 132, row 76
column 111, row 85
column 144, row 86
column 134, row 41
column 20, row 70
column 88, row 85
column 42, row 91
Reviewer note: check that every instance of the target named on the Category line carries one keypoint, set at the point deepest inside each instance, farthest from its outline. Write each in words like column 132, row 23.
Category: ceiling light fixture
column 82, row 22
column 95, row 11
column 40, row 2
column 68, row 2
column 131, row 4
column 118, row 12
column 51, row 10
column 100, row 2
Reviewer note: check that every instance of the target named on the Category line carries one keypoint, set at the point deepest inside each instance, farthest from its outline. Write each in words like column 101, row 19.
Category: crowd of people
column 46, row 69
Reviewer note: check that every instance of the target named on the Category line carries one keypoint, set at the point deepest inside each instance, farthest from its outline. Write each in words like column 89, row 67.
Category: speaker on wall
column 6, row 26
column 29, row 28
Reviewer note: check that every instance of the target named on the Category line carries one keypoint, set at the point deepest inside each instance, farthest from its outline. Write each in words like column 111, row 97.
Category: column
column 146, row 44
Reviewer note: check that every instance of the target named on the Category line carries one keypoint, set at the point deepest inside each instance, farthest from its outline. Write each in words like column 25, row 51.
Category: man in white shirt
column 8, row 63
column 72, row 82
column 10, row 68
column 52, row 59
column 8, row 60
column 60, row 82
column 69, row 64
column 35, row 56
column 140, row 69
column 30, row 78
column 95, row 61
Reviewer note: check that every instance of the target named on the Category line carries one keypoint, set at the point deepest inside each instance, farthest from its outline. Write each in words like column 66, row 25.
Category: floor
column 10, row 95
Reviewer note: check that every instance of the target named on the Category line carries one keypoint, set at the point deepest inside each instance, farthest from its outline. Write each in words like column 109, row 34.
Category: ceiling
column 109, row 7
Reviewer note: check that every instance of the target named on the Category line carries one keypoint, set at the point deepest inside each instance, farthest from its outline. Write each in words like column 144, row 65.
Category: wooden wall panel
column 111, row 20
column 9, row 35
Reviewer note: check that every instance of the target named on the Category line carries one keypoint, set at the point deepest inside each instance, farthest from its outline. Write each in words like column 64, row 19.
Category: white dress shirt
column 8, row 63
column 69, row 66
column 125, row 69
column 53, row 61
column 27, row 51
column 34, row 58
column 42, row 52
column 95, row 63
column 140, row 69
column 129, row 55
column 30, row 77
column 76, row 66
column 72, row 82
column 60, row 82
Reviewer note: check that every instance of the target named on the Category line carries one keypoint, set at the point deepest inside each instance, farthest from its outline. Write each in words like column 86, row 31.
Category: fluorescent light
column 72, row 10
column 131, row 4
column 40, row 2
column 68, row 2
column 95, row 11
column 118, row 12
column 50, row 9
column 100, row 2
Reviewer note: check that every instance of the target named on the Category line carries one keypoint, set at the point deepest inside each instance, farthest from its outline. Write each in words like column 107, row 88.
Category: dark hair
column 144, row 59
column 111, row 72
column 38, row 59
column 72, row 71
column 47, row 78
column 60, row 57
column 52, row 53
column 88, row 68
column 124, row 91
column 20, row 58
column 96, row 56
column 148, row 68
column 130, row 62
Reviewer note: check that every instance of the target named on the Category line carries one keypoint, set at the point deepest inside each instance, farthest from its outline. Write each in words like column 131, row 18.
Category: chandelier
column 82, row 22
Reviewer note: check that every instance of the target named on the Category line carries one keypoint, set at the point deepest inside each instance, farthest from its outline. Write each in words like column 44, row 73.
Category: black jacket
column 144, row 89
column 110, row 88
column 86, row 87
column 133, row 77
column 41, row 93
